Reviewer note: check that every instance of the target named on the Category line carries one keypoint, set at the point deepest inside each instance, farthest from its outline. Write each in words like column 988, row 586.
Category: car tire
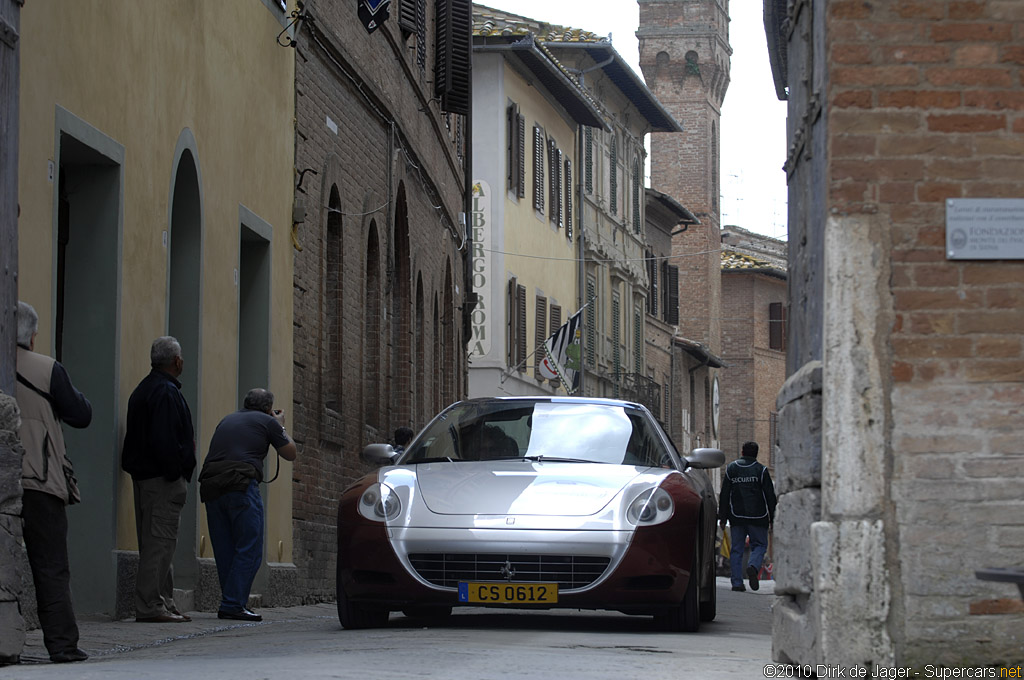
column 709, row 607
column 685, row 617
column 439, row 612
column 354, row 616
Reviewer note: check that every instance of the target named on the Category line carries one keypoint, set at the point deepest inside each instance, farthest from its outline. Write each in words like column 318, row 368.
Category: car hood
column 521, row 487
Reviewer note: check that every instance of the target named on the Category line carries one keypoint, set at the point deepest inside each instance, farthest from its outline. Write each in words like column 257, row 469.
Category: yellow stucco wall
column 551, row 259
column 141, row 73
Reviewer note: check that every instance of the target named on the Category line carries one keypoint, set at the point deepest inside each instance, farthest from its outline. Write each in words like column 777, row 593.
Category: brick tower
column 684, row 55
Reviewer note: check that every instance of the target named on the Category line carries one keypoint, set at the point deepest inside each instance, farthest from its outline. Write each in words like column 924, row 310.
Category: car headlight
column 653, row 506
column 380, row 502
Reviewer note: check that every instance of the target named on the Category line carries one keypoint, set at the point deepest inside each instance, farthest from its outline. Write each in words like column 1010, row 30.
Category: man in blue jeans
column 229, row 485
column 748, row 504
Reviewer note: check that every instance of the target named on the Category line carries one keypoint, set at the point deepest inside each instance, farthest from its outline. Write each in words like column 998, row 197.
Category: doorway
column 86, row 304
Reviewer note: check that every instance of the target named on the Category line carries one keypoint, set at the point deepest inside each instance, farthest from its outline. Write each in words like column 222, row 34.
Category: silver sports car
column 531, row 503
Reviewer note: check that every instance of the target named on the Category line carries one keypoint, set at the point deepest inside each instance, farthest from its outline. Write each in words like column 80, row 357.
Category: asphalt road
column 474, row 644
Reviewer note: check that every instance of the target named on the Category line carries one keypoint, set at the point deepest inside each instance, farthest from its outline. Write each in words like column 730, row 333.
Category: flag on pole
column 562, row 354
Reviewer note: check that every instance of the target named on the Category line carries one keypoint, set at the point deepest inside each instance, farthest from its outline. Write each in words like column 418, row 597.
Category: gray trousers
column 158, row 505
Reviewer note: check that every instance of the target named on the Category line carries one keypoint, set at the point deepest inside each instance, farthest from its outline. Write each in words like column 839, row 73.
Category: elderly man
column 229, row 485
column 46, row 397
column 160, row 455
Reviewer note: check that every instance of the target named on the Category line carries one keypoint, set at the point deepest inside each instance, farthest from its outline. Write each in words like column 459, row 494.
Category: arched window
column 420, row 386
column 332, row 304
column 637, row 226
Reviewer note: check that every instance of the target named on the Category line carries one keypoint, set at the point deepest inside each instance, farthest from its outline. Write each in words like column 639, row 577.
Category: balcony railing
column 640, row 388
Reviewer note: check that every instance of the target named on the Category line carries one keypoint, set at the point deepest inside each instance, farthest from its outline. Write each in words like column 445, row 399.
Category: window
column 777, row 326
column 407, row 17
column 540, row 332
column 568, row 199
column 538, row 168
column 515, row 150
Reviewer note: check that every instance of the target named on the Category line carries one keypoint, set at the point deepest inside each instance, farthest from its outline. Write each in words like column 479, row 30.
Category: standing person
column 160, row 455
column 403, row 436
column 46, row 397
column 748, row 504
column 229, row 485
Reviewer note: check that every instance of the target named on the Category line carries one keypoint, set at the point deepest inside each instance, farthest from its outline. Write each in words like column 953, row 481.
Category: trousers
column 758, row 546
column 158, row 505
column 46, row 542
column 236, row 534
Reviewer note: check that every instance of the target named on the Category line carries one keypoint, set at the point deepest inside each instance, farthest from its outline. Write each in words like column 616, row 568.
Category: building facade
column 382, row 255
column 900, row 418
column 526, row 203
column 754, row 308
column 147, row 209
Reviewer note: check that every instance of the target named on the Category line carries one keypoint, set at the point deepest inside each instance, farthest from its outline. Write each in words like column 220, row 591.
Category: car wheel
column 353, row 615
column 685, row 617
column 709, row 607
column 439, row 612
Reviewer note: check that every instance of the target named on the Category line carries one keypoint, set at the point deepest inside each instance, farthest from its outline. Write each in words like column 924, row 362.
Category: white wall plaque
column 985, row 229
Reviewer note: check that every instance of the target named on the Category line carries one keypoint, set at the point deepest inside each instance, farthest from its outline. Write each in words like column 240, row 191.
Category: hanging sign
column 373, row 13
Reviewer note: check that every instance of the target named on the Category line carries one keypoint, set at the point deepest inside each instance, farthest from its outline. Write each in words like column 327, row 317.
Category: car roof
column 554, row 399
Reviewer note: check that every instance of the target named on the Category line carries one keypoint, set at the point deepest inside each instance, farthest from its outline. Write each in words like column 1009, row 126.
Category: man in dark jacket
column 229, row 485
column 47, row 398
column 160, row 455
column 748, row 504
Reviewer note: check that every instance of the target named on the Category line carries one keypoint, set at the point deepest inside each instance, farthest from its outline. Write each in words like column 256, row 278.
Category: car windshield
column 543, row 430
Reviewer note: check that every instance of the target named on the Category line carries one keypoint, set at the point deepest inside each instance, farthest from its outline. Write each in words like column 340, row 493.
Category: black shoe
column 740, row 588
column 244, row 615
column 69, row 655
column 752, row 576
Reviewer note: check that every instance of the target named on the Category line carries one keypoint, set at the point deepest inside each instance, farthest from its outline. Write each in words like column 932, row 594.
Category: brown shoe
column 162, row 618
column 184, row 616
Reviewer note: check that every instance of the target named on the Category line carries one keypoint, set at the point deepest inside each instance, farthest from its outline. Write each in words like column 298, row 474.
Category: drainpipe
column 580, row 181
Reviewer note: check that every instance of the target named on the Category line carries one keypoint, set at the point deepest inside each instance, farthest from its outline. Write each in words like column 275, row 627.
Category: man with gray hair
column 229, row 485
column 46, row 398
column 160, row 454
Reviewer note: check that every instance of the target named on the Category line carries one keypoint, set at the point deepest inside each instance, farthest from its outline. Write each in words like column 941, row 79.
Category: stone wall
column 376, row 337
column 14, row 568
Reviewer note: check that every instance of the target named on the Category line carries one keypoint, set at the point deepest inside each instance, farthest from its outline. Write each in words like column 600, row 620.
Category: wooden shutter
column 613, row 200
column 407, row 17
column 636, row 197
column 556, row 322
column 538, row 168
column 421, row 34
column 616, row 341
column 590, row 330
column 553, row 180
column 638, row 340
column 672, row 309
column 512, row 148
column 540, row 331
column 652, row 290
column 777, row 326
column 521, row 154
column 568, row 199
column 453, row 47
column 521, row 327
column 588, row 160
column 510, row 334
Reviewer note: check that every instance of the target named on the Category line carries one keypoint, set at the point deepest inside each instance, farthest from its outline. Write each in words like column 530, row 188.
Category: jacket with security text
column 748, row 494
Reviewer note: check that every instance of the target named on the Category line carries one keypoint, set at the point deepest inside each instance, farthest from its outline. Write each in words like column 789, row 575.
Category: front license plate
column 508, row 593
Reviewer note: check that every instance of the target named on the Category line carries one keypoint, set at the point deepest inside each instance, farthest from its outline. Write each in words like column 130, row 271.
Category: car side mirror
column 706, row 458
column 378, row 454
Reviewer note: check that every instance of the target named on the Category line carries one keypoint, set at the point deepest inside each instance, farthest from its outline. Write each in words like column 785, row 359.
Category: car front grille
column 568, row 571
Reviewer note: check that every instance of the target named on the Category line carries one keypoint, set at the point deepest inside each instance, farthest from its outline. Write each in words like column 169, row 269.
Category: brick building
column 753, row 339
column 381, row 160
column 900, row 433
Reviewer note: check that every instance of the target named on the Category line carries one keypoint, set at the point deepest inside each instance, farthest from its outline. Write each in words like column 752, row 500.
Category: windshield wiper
column 556, row 459
column 441, row 459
